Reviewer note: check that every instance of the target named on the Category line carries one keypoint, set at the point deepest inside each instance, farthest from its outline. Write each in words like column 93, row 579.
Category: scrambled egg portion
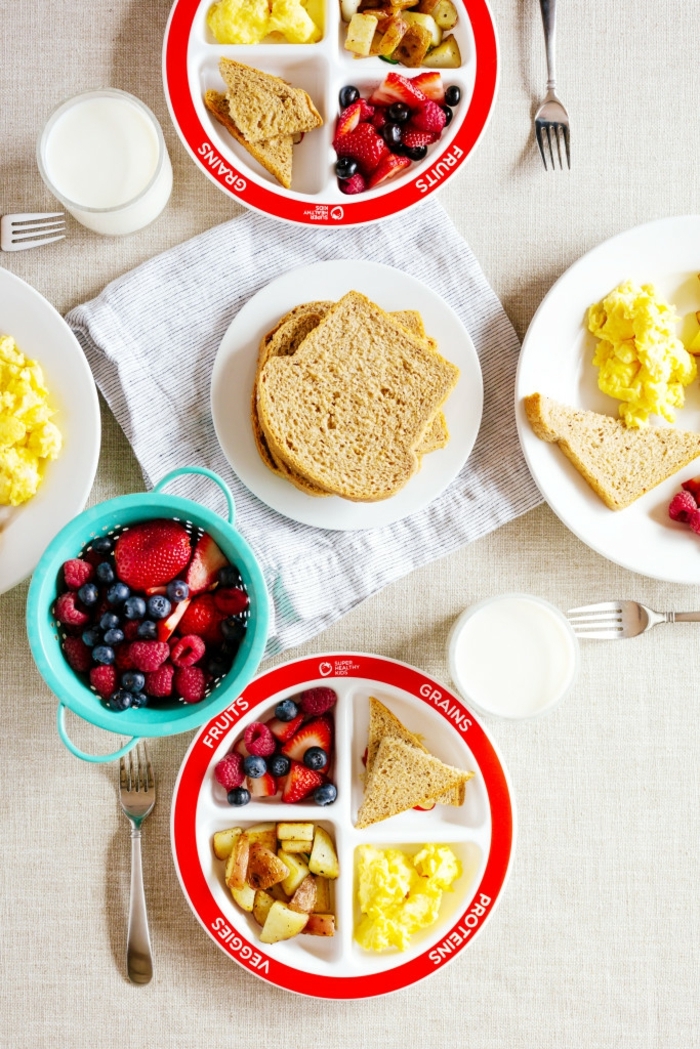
column 400, row 894
column 250, row 21
column 27, row 437
column 642, row 362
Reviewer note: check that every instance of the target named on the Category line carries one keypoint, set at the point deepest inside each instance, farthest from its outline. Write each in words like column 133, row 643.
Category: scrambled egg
column 27, row 437
column 250, row 21
column 400, row 894
column 642, row 362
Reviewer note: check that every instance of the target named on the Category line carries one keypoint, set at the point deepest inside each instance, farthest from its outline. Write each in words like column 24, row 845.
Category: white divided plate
column 481, row 832
column 556, row 360
column 233, row 377
column 190, row 68
column 42, row 334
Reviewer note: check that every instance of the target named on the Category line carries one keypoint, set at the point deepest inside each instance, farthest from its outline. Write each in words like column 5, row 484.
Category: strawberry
column 231, row 600
column 390, row 167
column 348, row 120
column 354, row 184
column 204, row 567
column 77, row 572
column 425, row 808
column 284, row 730
column 430, row 117
column 203, row 618
column 412, row 138
column 431, row 85
column 240, row 748
column 364, row 145
column 379, row 119
column 397, row 88
column 151, row 591
column 316, row 733
column 151, row 553
column 366, row 110
column 300, row 782
column 262, row 787
column 692, row 486
column 165, row 627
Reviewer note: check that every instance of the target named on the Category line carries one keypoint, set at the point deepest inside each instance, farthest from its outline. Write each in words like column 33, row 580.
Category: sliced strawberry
column 316, row 733
column 431, row 85
column 151, row 591
column 430, row 117
column 262, row 787
column 300, row 782
column 366, row 110
column 692, row 486
column 204, row 567
column 284, row 730
column 151, row 553
column 349, row 119
column 203, row 618
column 166, row 627
column 397, row 88
column 379, row 119
column 425, row 808
column 412, row 138
column 364, row 145
column 231, row 600
column 364, row 756
column 240, row 748
column 390, row 167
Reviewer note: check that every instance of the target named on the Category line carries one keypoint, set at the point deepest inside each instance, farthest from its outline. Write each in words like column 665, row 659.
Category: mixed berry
column 290, row 753
column 152, row 614
column 684, row 506
column 379, row 137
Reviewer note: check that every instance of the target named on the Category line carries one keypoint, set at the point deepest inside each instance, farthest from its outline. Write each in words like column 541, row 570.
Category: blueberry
column 414, row 152
column 133, row 680
column 103, row 654
column 92, row 637
column 117, row 594
column 345, row 167
column 391, row 133
column 134, row 607
column 105, row 572
column 448, row 115
column 238, row 796
column 158, row 606
column 229, row 649
column 89, row 594
column 398, row 113
column 109, row 621
column 287, row 710
column 233, row 629
column 254, row 766
column 139, row 699
column 229, row 576
column 218, row 666
column 279, row 765
column 315, row 758
column 325, row 794
column 103, row 545
column 453, row 95
column 178, row 590
column 115, row 636
column 347, row 96
column 120, row 700
column 147, row 631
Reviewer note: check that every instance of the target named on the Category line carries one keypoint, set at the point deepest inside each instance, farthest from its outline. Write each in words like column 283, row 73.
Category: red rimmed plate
column 190, row 67
column 481, row 832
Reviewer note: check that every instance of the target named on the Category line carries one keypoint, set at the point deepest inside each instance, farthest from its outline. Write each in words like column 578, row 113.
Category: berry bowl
column 48, row 635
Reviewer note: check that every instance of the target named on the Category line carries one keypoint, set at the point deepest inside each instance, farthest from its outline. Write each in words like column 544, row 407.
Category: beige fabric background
column 596, row 942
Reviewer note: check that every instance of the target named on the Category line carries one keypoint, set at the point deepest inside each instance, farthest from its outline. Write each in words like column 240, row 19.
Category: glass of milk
column 102, row 154
column 514, row 655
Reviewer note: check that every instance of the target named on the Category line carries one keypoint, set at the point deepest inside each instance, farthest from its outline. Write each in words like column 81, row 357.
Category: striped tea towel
column 151, row 338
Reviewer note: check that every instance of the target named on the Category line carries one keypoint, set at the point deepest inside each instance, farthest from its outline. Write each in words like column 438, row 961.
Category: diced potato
column 394, row 33
column 282, row 923
column 320, row 925
column 400, row 5
column 323, row 859
column 264, row 867
column 304, row 899
column 295, row 832
column 265, row 833
column 261, row 905
column 428, row 22
column 278, row 893
column 349, row 8
column 297, row 871
column 446, row 56
column 237, row 863
column 223, row 842
column 297, row 846
column 414, row 45
column 360, row 34
column 323, row 896
column 443, row 11
column 244, row 897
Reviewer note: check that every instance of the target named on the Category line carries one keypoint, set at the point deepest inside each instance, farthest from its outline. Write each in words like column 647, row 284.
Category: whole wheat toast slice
column 274, row 154
column 403, row 776
column 263, row 106
column 620, row 464
column 348, row 410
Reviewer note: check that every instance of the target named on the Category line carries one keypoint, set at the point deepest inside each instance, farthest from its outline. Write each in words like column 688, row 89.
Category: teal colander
column 169, row 717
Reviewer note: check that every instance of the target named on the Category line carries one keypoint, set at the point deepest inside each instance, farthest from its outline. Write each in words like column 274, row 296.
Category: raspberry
column 76, row 573
column 229, row 771
column 77, row 653
column 130, row 629
column 259, row 740
column 104, row 680
column 159, row 683
column 430, row 117
column 355, row 184
column 122, row 658
column 366, row 110
column 317, row 700
column 231, row 600
column 379, row 119
column 148, row 655
column 187, row 650
column 191, row 683
column 694, row 521
column 67, row 611
column 364, row 145
column 682, row 506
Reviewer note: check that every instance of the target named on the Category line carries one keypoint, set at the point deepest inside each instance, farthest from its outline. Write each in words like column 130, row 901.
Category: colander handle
column 95, row 758
column 205, row 473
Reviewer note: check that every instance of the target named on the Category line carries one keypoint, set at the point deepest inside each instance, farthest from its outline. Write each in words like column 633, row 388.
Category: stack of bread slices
column 347, row 398
column 264, row 114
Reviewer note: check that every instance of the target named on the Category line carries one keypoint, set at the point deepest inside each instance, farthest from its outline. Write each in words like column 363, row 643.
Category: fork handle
column 684, row 617
column 139, row 962
column 549, row 14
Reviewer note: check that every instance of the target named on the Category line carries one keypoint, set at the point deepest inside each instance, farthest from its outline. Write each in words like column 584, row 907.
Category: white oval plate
column 556, row 360
column 234, row 374
column 41, row 333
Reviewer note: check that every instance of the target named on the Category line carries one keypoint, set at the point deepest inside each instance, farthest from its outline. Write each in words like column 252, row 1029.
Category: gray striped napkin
column 151, row 338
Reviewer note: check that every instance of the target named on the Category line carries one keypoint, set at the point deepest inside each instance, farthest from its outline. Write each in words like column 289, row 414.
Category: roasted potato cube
column 244, row 897
column 323, row 859
column 282, row 923
column 223, row 842
column 392, row 36
column 237, row 863
column 295, row 832
column 320, row 925
column 348, row 8
column 428, row 22
column 323, row 896
column 297, row 846
column 304, row 899
column 446, row 56
column 297, row 871
column 278, row 893
column 261, row 905
column 401, row 5
column 443, row 11
column 265, row 833
column 264, row 867
column 414, row 46
column 360, row 34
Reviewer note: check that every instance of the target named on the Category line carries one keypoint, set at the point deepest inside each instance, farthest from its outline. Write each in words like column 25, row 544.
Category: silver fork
column 31, row 230
column 137, row 793
column 551, row 119
column 615, row 620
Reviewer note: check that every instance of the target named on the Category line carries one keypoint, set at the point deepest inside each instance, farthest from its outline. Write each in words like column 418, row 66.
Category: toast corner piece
column 274, row 154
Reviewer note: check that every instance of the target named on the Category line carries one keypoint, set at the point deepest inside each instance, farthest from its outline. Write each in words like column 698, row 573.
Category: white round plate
column 234, row 374
column 42, row 334
column 481, row 831
column 556, row 360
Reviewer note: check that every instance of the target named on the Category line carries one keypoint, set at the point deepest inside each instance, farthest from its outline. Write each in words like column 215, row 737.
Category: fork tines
column 596, row 621
column 31, row 230
column 556, row 132
column 136, row 775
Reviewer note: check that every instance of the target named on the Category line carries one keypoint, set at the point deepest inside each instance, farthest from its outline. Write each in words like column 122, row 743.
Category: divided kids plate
column 190, row 67
column 481, row 832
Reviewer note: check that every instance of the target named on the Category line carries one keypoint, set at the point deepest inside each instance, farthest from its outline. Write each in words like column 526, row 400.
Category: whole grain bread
column 403, row 776
column 263, row 106
column 274, row 154
column 348, row 410
column 620, row 464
